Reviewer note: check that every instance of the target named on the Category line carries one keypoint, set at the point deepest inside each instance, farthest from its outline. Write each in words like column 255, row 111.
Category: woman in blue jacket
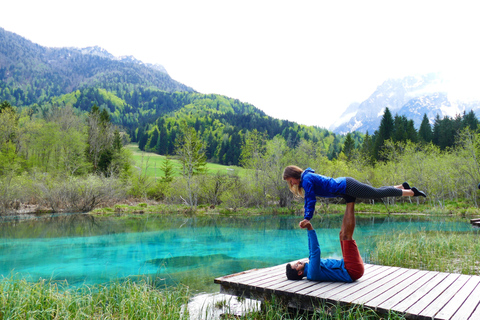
column 308, row 185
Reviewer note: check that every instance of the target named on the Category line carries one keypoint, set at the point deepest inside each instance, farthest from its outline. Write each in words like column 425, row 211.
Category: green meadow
column 151, row 164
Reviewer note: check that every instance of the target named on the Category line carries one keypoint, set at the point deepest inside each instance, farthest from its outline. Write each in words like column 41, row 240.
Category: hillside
column 30, row 73
column 141, row 98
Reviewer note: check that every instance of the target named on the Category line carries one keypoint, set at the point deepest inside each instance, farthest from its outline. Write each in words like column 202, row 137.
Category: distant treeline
column 223, row 125
column 400, row 129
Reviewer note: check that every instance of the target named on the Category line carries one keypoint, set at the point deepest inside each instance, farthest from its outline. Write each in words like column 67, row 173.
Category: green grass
column 121, row 300
column 152, row 163
column 44, row 299
column 296, row 208
column 434, row 251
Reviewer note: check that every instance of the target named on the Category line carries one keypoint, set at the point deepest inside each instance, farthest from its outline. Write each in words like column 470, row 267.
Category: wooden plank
column 469, row 306
column 377, row 286
column 328, row 285
column 457, row 301
column 254, row 274
column 435, row 291
column 262, row 278
column 438, row 303
column 361, row 286
column 302, row 285
column 422, row 290
column 407, row 294
column 476, row 314
column 391, row 290
column 278, row 284
column 278, row 281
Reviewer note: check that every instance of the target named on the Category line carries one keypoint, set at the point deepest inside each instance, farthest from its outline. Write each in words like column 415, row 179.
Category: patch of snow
column 343, row 119
column 382, row 111
column 356, row 125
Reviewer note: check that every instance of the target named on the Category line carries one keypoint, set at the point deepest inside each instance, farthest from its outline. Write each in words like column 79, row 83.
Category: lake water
column 174, row 249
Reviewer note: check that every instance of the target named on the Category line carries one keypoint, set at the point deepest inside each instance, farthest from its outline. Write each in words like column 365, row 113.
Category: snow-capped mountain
column 411, row 96
column 98, row 51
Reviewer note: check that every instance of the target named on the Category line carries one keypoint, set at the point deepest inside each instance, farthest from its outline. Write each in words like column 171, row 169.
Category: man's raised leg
column 348, row 223
column 351, row 256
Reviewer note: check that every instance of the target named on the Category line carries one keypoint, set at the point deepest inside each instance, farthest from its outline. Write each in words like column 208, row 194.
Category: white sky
column 304, row 61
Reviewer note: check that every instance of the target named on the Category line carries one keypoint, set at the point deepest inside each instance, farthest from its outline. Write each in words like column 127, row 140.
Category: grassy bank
column 53, row 300
column 454, row 209
column 434, row 251
column 129, row 300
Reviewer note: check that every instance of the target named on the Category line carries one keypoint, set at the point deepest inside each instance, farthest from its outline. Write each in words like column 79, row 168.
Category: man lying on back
column 348, row 269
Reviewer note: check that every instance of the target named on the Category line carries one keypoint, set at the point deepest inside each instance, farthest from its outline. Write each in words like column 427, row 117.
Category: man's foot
column 417, row 193
column 406, row 186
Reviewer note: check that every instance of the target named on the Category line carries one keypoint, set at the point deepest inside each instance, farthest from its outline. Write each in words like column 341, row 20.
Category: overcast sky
column 304, row 61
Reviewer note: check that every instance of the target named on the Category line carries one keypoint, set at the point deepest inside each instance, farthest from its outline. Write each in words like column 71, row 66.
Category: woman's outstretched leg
column 361, row 190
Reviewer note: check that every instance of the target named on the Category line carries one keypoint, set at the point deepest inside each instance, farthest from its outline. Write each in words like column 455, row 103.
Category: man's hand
column 306, row 224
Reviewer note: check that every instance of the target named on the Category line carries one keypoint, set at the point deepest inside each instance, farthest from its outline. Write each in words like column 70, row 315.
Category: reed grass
column 46, row 299
column 430, row 250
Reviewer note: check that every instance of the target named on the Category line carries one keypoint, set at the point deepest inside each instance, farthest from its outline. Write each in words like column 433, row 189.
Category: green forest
column 66, row 117
column 64, row 159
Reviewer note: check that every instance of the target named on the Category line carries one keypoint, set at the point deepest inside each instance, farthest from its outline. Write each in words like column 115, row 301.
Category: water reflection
column 178, row 249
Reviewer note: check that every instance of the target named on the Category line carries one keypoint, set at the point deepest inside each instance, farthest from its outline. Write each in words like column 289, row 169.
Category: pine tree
column 348, row 146
column 167, row 168
column 152, row 146
column 425, row 131
column 470, row 120
column 385, row 132
column 162, row 141
column 367, row 148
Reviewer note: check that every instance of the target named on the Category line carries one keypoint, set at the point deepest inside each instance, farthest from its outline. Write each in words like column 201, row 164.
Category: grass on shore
column 457, row 209
column 129, row 300
column 119, row 300
column 432, row 250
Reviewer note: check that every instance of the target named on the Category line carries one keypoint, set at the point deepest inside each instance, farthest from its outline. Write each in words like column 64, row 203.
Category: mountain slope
column 30, row 73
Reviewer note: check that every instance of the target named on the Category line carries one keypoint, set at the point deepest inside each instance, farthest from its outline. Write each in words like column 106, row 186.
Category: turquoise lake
column 172, row 249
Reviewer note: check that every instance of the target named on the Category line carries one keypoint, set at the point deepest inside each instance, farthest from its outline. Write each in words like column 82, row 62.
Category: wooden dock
column 415, row 293
column 475, row 222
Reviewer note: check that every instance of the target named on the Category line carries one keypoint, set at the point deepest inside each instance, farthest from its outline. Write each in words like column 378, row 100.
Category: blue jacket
column 323, row 269
column 317, row 185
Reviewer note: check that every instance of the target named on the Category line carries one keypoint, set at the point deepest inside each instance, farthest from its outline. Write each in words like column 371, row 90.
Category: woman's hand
column 304, row 223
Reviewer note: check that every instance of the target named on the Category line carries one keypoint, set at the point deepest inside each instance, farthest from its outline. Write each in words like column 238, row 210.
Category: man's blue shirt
column 323, row 269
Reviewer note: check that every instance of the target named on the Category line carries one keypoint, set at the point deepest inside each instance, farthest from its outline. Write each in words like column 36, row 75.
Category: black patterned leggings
column 356, row 189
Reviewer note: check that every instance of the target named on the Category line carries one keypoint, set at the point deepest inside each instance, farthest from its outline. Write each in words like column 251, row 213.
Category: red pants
column 353, row 260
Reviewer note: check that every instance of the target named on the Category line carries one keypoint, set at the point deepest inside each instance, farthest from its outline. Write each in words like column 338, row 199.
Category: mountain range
column 412, row 96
